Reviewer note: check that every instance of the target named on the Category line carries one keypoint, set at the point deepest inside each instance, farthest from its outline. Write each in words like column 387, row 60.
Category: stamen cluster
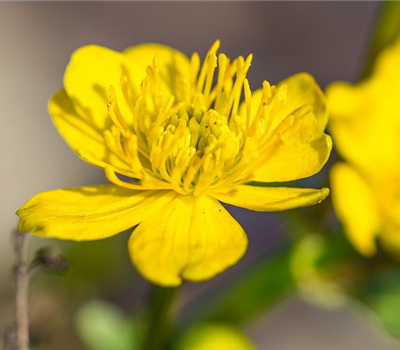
column 193, row 138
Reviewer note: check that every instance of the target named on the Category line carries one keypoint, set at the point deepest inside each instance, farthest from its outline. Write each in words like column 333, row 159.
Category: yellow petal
column 363, row 116
column 356, row 207
column 89, row 213
column 89, row 75
column 80, row 133
column 172, row 63
column 343, row 101
column 301, row 90
column 390, row 242
column 351, row 124
column 387, row 63
column 301, row 150
column 193, row 238
column 271, row 198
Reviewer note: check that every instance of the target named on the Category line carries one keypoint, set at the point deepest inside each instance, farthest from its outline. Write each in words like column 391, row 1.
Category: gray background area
column 327, row 39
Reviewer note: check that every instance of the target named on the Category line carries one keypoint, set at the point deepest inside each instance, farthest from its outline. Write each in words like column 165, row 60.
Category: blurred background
column 326, row 39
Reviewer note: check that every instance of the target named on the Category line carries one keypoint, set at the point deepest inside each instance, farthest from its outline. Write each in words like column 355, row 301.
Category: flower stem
column 160, row 325
column 387, row 30
column 22, row 284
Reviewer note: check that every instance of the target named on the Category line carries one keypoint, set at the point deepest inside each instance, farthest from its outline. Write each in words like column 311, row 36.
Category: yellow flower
column 365, row 124
column 215, row 336
column 174, row 140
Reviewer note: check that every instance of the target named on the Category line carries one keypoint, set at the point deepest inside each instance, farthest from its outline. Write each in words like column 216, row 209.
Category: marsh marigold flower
column 365, row 125
column 214, row 336
column 175, row 140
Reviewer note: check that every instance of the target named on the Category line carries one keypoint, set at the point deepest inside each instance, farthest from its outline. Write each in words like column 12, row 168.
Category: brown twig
column 21, row 293
column 47, row 258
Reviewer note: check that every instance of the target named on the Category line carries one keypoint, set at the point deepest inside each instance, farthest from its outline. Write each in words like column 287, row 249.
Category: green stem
column 160, row 325
column 386, row 31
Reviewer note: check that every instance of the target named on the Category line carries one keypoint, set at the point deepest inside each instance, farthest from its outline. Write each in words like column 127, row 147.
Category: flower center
column 190, row 137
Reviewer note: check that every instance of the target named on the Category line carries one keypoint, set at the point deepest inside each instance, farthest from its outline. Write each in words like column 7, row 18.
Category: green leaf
column 102, row 327
column 97, row 264
column 387, row 307
column 252, row 293
column 381, row 293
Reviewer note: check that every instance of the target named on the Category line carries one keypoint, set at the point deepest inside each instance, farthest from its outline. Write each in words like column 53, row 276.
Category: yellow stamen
column 192, row 141
column 114, row 112
column 247, row 97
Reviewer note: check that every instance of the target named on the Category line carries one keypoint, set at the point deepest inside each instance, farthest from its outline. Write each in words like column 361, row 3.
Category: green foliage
column 387, row 306
column 381, row 293
column 102, row 327
column 250, row 295
column 310, row 263
column 98, row 262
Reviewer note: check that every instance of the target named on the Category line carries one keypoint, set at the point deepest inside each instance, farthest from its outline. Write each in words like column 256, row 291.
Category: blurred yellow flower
column 365, row 125
column 174, row 140
column 215, row 336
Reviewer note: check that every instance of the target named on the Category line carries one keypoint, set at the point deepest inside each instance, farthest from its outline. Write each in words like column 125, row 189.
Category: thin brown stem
column 22, row 286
